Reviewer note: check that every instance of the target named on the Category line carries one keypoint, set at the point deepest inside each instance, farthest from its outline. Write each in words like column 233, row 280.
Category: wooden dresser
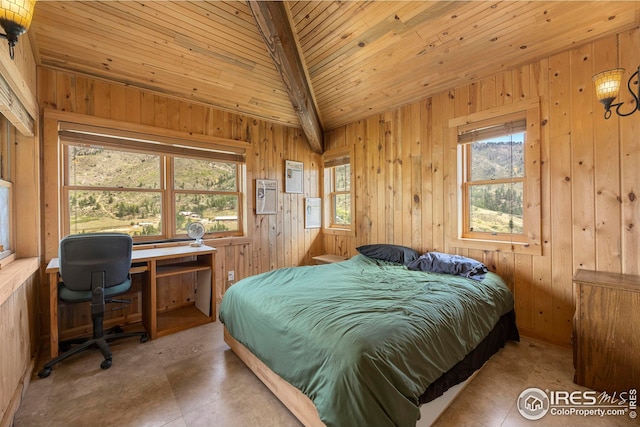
column 606, row 335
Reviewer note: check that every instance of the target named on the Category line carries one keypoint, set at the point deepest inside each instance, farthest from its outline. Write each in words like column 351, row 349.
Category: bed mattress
column 364, row 338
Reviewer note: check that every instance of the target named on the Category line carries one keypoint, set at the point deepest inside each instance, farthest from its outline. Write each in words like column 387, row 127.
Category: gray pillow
column 392, row 253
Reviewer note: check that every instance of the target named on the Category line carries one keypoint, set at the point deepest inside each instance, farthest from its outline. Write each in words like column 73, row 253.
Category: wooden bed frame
column 294, row 400
column 300, row 405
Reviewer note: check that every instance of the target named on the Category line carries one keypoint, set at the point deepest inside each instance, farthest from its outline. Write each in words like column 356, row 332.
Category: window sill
column 339, row 231
column 7, row 259
column 215, row 243
column 497, row 246
column 15, row 274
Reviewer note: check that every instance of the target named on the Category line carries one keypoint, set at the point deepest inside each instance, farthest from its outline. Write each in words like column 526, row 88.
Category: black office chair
column 94, row 267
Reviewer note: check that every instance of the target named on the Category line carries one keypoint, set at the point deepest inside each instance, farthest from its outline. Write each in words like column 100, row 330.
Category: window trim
column 331, row 158
column 165, row 142
column 7, row 180
column 333, row 194
column 467, row 136
column 8, row 255
column 531, row 243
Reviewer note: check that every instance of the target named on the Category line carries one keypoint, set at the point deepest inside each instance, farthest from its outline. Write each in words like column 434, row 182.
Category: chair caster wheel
column 144, row 338
column 106, row 364
column 44, row 372
column 117, row 330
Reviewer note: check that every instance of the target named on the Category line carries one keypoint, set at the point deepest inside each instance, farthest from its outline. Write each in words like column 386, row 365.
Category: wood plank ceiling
column 360, row 58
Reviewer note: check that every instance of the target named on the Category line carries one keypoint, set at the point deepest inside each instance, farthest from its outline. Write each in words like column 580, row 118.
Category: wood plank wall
column 19, row 280
column 590, row 178
column 18, row 338
column 274, row 240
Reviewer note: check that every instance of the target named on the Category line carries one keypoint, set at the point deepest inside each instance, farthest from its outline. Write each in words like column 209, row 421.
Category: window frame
column 530, row 240
column 468, row 182
column 333, row 194
column 167, row 148
column 6, row 254
column 7, row 178
column 330, row 160
column 173, row 192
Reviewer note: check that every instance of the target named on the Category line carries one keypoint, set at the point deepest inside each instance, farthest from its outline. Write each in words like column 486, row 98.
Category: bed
column 364, row 341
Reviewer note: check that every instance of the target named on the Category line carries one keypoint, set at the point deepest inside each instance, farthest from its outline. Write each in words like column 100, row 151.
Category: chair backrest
column 84, row 254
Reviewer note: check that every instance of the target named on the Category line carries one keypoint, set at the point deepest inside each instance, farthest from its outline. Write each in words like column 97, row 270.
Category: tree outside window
column 493, row 190
column 341, row 195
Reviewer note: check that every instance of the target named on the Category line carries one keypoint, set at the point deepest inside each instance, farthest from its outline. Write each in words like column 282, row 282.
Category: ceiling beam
column 273, row 24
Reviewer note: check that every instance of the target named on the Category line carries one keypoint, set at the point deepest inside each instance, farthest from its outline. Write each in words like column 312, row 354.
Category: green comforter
column 363, row 339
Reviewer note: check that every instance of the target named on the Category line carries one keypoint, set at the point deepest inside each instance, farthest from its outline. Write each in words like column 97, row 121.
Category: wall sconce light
column 607, row 88
column 15, row 18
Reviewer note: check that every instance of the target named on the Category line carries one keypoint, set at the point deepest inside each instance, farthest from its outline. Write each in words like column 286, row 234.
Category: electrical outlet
column 231, row 276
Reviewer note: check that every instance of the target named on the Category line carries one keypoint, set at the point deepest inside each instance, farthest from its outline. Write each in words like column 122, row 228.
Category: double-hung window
column 494, row 178
column 337, row 185
column 499, row 179
column 151, row 190
column 6, row 192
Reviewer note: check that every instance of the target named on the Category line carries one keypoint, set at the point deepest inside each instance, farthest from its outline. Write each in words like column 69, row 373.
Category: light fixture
column 15, row 18
column 607, row 88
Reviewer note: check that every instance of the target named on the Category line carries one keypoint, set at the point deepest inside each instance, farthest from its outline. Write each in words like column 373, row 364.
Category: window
column 207, row 191
column 499, row 179
column 5, row 218
column 493, row 181
column 340, row 195
column 337, row 184
column 148, row 190
column 6, row 191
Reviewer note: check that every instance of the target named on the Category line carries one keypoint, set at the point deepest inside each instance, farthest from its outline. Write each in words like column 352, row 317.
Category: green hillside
column 497, row 208
column 138, row 212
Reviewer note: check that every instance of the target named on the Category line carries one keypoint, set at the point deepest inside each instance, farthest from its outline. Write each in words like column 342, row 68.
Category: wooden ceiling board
column 219, row 79
column 403, row 60
column 341, row 37
column 357, row 60
column 210, row 52
column 220, row 40
column 485, row 38
column 361, row 57
column 86, row 49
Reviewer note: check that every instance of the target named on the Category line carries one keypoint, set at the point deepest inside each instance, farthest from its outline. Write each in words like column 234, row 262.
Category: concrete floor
column 192, row 379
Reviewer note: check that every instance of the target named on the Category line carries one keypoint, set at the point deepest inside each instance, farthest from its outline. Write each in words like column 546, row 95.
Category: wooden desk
column 188, row 259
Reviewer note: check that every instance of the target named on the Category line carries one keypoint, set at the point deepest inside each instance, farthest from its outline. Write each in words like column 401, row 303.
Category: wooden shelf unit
column 166, row 270
column 197, row 260
column 606, row 344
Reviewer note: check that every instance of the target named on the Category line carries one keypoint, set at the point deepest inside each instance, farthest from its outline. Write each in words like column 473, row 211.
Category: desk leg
column 53, row 314
column 214, row 295
column 149, row 301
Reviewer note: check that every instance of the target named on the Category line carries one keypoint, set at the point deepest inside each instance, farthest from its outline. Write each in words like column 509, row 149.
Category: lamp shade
column 15, row 16
column 607, row 85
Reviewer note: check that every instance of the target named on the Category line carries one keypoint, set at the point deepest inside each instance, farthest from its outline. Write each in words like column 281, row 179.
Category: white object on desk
column 195, row 230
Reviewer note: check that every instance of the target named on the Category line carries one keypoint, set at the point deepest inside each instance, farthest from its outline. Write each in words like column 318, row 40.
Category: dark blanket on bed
column 363, row 339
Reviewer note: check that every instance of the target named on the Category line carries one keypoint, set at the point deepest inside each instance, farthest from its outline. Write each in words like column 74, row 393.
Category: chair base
column 100, row 342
